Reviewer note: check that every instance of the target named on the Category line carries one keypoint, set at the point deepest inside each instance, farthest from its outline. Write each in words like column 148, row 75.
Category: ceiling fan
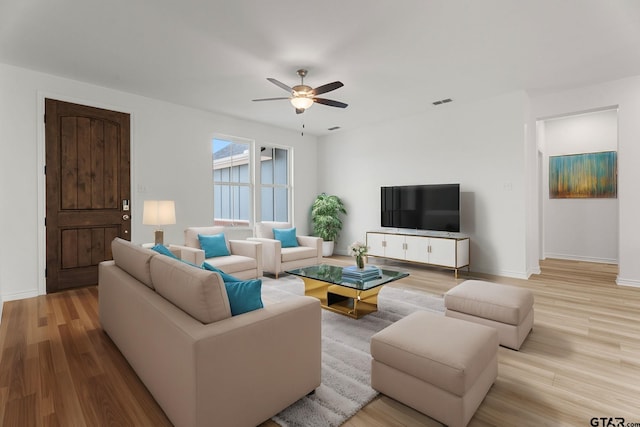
column 303, row 96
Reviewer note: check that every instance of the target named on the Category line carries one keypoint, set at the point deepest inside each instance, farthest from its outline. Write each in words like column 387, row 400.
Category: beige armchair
column 244, row 261
column 276, row 259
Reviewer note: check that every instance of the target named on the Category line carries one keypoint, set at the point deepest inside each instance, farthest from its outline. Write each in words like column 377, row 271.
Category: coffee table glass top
column 333, row 274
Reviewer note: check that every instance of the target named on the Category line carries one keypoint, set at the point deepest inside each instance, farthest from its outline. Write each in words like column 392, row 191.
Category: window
column 234, row 198
column 274, row 184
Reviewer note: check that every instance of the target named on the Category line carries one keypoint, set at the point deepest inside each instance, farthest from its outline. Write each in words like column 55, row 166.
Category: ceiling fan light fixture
column 303, row 96
column 301, row 102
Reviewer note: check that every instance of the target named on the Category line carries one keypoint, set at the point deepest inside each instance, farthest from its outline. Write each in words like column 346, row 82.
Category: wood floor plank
column 130, row 391
column 20, row 411
column 582, row 359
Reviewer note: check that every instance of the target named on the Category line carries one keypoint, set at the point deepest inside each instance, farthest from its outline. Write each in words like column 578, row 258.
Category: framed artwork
column 583, row 176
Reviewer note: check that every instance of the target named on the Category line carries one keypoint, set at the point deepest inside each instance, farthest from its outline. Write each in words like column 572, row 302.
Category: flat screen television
column 421, row 207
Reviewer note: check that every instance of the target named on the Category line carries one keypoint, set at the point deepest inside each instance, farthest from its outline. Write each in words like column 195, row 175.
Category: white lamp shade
column 159, row 212
column 301, row 102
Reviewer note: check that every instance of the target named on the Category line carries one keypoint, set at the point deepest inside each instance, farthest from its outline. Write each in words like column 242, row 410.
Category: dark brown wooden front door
column 88, row 185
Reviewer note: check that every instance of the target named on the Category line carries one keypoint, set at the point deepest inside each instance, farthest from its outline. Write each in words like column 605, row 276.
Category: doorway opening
column 578, row 228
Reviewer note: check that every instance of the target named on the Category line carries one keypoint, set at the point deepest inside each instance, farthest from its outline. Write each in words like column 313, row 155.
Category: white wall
column 171, row 159
column 3, row 196
column 484, row 146
column 479, row 145
column 580, row 229
column 533, row 209
column 625, row 94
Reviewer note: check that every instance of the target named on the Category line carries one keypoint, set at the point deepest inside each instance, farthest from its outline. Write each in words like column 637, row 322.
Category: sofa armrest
column 271, row 253
column 245, row 248
column 277, row 348
column 188, row 254
column 313, row 242
column 248, row 249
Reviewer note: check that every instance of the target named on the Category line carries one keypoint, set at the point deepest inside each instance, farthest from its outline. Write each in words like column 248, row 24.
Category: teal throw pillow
column 287, row 236
column 162, row 249
column 213, row 245
column 225, row 277
column 244, row 296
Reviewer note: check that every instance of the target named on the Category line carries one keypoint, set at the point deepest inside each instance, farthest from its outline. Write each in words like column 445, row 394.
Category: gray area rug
column 346, row 362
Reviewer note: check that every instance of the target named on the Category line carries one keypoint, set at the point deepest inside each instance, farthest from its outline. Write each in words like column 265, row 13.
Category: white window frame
column 260, row 185
column 250, row 185
column 255, row 174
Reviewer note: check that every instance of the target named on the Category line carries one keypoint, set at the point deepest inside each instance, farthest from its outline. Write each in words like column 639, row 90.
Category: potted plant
column 325, row 217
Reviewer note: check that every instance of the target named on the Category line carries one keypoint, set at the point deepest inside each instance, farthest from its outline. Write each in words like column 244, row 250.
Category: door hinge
column 45, row 221
column 45, row 169
column 45, row 273
column 45, row 118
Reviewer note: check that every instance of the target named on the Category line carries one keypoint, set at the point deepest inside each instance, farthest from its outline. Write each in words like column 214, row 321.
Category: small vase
column 360, row 262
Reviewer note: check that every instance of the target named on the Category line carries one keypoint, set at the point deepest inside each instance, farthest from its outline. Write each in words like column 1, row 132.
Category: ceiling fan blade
column 299, row 110
column 280, row 84
column 326, row 88
column 270, row 99
column 330, row 102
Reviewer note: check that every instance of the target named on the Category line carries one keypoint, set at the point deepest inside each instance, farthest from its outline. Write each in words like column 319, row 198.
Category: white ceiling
column 394, row 57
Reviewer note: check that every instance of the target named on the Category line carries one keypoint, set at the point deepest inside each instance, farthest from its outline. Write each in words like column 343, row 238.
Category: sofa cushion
column 301, row 252
column 213, row 245
column 287, row 237
column 244, row 296
column 191, row 235
column 233, row 263
column 265, row 229
column 225, row 277
column 133, row 259
column 198, row 292
column 162, row 249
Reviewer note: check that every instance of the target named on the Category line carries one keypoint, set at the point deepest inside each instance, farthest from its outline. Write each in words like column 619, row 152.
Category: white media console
column 442, row 249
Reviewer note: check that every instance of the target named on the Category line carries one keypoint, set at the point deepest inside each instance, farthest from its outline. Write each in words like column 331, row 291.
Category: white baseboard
column 533, row 270
column 627, row 282
column 19, row 295
column 581, row 258
column 502, row 273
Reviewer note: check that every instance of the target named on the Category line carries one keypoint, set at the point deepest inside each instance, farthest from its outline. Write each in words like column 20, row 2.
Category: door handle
column 125, row 217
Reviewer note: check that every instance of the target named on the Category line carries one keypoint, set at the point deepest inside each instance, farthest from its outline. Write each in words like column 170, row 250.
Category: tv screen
column 421, row 207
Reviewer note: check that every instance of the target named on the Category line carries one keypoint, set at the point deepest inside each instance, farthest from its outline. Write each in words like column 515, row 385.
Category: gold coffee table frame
column 355, row 300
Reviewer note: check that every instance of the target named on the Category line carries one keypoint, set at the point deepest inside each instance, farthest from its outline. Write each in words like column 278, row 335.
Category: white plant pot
column 327, row 248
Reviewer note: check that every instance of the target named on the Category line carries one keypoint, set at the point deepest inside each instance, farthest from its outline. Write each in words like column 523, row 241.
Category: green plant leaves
column 325, row 216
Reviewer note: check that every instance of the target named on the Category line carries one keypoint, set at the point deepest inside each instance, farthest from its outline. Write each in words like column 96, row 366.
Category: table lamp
column 159, row 212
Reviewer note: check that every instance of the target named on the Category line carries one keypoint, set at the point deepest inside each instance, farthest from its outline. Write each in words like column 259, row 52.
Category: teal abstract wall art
column 583, row 176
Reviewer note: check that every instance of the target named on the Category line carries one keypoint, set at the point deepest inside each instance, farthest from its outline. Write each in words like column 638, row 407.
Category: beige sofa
column 244, row 261
column 276, row 259
column 173, row 324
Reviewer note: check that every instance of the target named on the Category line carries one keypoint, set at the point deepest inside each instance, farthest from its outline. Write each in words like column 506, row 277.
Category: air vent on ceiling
column 442, row 101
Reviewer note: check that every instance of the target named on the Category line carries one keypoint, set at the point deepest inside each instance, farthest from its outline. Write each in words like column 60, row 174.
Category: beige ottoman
column 439, row 366
column 507, row 308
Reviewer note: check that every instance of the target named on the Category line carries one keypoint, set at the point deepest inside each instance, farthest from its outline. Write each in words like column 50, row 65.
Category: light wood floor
column 582, row 359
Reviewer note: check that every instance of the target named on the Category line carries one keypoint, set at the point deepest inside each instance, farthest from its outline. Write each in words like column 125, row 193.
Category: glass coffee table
column 343, row 291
